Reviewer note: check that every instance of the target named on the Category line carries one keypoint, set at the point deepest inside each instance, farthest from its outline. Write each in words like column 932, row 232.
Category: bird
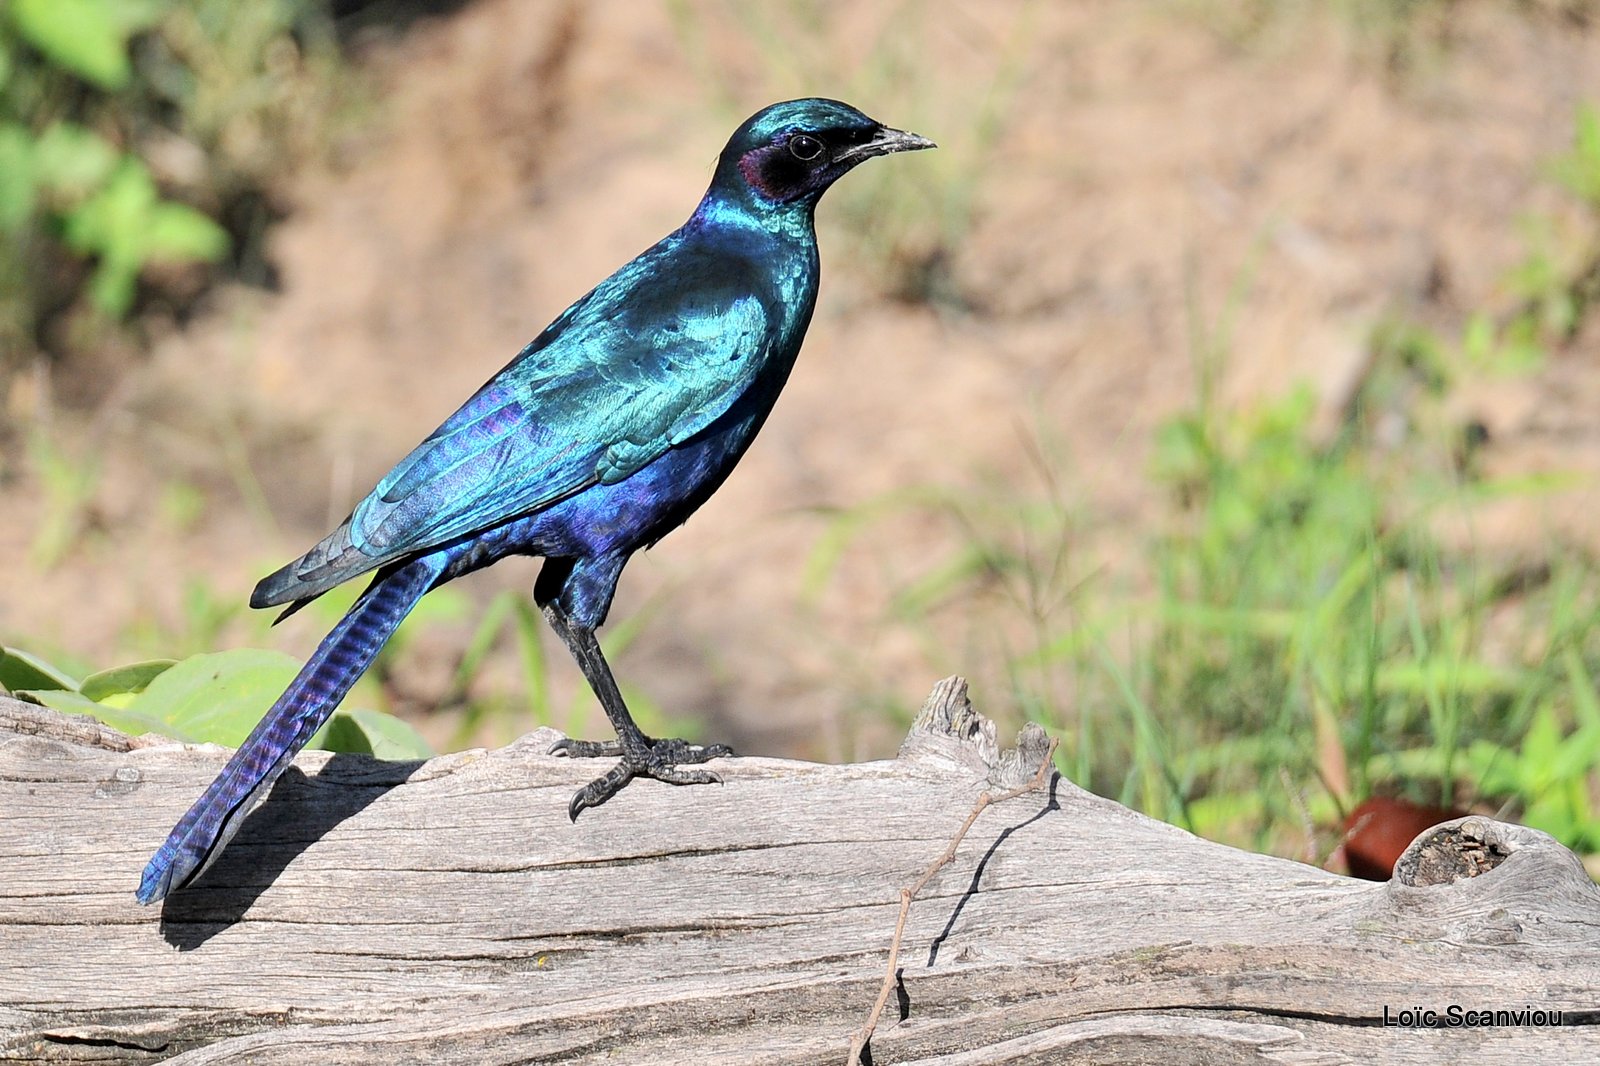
column 600, row 436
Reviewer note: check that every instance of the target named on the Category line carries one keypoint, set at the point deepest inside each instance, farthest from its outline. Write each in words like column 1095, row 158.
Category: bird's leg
column 642, row 756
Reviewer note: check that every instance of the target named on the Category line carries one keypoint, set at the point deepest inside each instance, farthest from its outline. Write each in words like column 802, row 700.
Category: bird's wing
column 609, row 388
column 596, row 404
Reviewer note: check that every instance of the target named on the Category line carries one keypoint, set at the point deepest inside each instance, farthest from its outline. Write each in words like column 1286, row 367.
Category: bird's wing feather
column 609, row 388
column 492, row 459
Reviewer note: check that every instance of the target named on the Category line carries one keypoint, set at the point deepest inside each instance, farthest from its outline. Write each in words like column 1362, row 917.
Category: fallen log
column 448, row 912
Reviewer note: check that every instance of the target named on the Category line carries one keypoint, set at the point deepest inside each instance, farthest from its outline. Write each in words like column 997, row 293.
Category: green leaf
column 1552, row 815
column 1578, row 753
column 127, row 225
column 18, row 188
column 374, row 733
column 85, row 36
column 1540, row 746
column 1218, row 812
column 123, row 680
column 113, row 286
column 124, row 718
column 216, row 698
column 73, row 161
column 1585, row 702
column 176, row 233
column 1579, row 170
column 65, row 701
column 114, row 218
column 1498, row 769
column 1417, row 679
column 20, row 671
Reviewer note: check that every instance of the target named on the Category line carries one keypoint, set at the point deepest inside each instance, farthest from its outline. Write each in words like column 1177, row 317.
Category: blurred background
column 1221, row 394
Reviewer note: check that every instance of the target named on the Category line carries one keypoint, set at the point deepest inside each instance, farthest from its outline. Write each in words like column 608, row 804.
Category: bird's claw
column 585, row 749
column 659, row 760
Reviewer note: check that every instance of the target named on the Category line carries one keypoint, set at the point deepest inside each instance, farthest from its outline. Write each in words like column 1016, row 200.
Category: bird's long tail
column 339, row 661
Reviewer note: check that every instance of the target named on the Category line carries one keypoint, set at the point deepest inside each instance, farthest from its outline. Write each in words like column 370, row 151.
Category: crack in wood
column 90, row 1041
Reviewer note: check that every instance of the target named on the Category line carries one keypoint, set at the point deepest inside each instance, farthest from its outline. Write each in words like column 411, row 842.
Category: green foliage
column 1305, row 600
column 214, row 698
column 533, row 700
column 104, row 205
column 125, row 226
column 1553, row 286
column 1551, row 770
column 1307, row 635
column 219, row 697
column 89, row 38
column 129, row 131
column 21, row 672
column 64, row 180
column 1578, row 171
column 375, row 733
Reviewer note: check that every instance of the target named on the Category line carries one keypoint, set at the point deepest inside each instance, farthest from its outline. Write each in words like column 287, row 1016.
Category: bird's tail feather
column 339, row 661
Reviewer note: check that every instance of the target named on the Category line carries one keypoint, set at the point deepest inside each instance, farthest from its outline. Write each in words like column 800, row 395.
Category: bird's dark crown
column 791, row 152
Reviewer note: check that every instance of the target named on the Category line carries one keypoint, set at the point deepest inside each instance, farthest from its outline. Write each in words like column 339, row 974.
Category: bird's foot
column 658, row 759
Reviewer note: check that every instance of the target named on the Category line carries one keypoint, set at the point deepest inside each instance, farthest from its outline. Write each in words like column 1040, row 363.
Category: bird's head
column 791, row 152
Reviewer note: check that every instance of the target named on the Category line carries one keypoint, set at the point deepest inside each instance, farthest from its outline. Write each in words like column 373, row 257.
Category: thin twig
column 864, row 1034
column 1308, row 825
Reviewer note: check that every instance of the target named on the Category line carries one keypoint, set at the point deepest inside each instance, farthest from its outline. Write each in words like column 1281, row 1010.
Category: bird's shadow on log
column 298, row 812
column 1051, row 804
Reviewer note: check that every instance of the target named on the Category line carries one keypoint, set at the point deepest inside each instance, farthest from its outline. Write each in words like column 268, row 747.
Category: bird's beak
column 884, row 142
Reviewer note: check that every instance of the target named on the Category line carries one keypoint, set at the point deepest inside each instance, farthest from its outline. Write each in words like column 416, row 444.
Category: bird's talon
column 659, row 760
column 585, row 749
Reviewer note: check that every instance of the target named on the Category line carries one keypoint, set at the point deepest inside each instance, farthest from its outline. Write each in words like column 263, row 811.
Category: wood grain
column 448, row 912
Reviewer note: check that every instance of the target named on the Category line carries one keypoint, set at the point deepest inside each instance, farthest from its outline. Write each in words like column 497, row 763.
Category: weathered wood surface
column 448, row 912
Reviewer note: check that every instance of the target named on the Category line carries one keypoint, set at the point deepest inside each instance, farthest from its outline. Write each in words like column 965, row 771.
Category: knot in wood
column 1454, row 852
column 1478, row 881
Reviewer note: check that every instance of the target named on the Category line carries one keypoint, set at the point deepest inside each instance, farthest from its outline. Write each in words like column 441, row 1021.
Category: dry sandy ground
column 1141, row 166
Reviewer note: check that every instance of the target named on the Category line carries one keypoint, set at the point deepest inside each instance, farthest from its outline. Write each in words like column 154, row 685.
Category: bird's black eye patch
column 804, row 147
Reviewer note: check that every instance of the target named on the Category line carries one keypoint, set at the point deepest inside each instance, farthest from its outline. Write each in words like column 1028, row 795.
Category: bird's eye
column 804, row 147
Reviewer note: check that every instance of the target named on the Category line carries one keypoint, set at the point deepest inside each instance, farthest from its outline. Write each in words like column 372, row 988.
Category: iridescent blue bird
column 603, row 435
